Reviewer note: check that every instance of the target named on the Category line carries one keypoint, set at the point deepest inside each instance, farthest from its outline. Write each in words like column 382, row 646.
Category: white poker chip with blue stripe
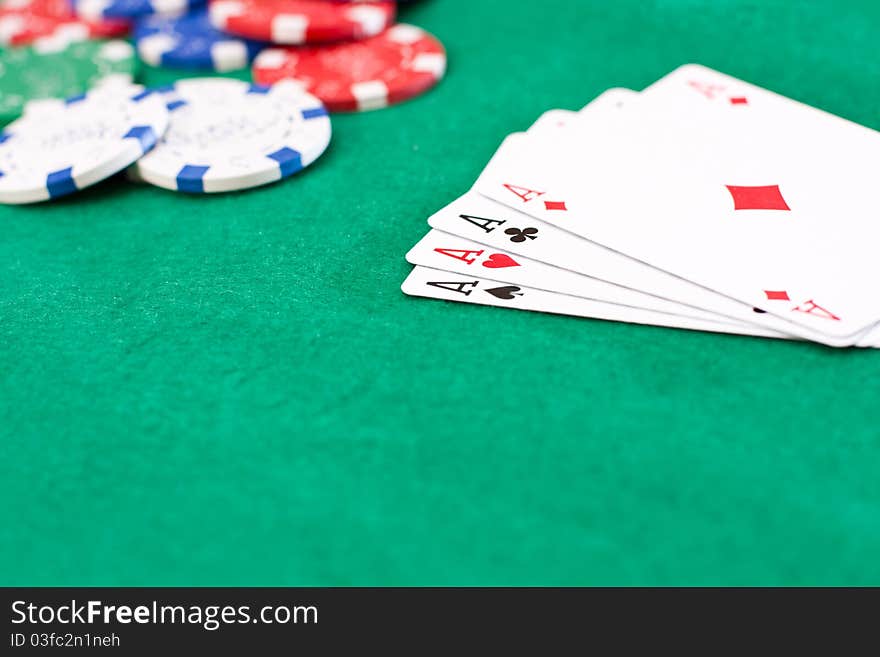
column 191, row 42
column 97, row 9
column 227, row 135
column 60, row 147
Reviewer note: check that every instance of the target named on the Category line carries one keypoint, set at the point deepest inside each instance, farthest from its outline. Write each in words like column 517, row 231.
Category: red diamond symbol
column 767, row 197
column 777, row 295
column 739, row 100
column 555, row 205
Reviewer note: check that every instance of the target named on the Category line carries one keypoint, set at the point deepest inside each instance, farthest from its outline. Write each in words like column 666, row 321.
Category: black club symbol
column 518, row 235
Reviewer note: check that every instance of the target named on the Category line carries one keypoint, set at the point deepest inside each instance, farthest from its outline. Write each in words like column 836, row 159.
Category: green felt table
column 231, row 389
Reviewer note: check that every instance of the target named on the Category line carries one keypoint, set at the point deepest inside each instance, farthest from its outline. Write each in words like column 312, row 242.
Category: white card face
column 440, row 250
column 739, row 203
column 438, row 284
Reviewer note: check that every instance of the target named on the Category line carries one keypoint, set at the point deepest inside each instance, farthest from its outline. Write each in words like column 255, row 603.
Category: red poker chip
column 24, row 22
column 297, row 22
column 399, row 64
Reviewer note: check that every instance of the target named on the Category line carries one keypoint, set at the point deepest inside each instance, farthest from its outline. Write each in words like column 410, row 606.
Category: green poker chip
column 67, row 70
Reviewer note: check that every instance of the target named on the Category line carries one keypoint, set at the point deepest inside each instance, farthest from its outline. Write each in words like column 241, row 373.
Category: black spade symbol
column 506, row 292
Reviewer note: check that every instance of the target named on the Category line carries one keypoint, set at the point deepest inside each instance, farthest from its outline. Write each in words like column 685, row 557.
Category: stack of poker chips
column 68, row 83
column 200, row 135
column 349, row 54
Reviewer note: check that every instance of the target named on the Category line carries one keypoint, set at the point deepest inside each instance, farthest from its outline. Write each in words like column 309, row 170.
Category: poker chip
column 191, row 42
column 95, row 9
column 24, row 22
column 296, row 22
column 227, row 135
column 67, row 146
column 401, row 63
column 31, row 73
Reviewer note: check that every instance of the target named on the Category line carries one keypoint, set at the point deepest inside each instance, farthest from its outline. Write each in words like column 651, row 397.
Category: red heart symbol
column 499, row 260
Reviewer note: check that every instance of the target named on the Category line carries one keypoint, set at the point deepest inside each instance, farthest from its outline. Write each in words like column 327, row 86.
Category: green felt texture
column 233, row 390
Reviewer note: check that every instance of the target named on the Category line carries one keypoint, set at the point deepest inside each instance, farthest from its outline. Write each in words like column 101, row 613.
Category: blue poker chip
column 191, row 42
column 227, row 135
column 97, row 9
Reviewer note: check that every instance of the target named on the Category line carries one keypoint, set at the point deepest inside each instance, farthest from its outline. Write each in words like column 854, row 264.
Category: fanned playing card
column 741, row 204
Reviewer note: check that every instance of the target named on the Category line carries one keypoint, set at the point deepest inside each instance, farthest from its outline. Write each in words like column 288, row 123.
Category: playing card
column 438, row 284
column 675, row 186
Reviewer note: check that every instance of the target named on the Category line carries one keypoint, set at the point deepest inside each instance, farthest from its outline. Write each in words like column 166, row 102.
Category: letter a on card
column 524, row 193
